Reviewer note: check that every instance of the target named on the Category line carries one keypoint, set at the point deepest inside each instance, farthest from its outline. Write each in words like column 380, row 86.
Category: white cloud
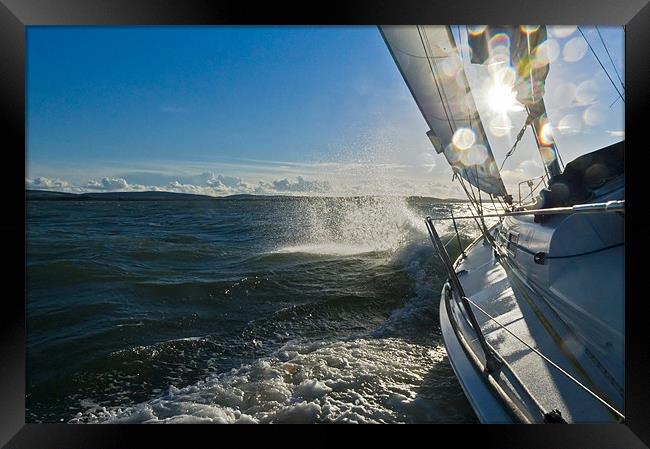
column 222, row 182
column 109, row 184
column 188, row 188
column 300, row 185
column 42, row 183
column 616, row 133
column 320, row 179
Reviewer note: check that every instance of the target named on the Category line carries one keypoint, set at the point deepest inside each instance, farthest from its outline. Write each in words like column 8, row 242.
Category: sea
column 251, row 310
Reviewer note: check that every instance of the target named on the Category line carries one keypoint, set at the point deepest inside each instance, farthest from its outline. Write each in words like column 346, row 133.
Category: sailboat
column 532, row 312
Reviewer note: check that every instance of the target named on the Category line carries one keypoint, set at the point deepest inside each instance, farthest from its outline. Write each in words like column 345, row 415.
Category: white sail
column 432, row 67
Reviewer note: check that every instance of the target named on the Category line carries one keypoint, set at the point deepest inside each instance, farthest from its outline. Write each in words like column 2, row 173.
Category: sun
column 501, row 98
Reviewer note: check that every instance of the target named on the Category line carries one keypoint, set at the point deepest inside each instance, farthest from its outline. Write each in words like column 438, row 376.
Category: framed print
column 353, row 214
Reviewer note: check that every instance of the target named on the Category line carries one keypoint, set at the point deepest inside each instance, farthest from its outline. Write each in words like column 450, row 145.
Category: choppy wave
column 326, row 313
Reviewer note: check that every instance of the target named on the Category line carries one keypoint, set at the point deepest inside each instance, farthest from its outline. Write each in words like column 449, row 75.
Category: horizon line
column 290, row 195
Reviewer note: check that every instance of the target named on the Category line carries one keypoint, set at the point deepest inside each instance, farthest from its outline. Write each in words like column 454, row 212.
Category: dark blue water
column 263, row 310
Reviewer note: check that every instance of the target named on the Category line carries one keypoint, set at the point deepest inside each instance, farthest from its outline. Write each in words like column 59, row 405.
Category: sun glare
column 501, row 98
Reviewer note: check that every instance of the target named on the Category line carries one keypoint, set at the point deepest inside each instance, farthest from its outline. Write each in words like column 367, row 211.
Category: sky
column 220, row 110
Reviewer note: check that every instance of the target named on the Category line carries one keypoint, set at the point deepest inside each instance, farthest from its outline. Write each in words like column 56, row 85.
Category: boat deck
column 495, row 288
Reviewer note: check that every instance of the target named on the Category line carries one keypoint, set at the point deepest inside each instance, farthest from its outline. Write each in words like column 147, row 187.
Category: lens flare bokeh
column 463, row 138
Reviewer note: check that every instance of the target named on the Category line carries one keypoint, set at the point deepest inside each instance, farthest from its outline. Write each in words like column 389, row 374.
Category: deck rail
column 532, row 186
column 492, row 362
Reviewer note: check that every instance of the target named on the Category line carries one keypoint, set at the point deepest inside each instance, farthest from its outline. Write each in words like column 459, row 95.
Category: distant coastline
column 48, row 195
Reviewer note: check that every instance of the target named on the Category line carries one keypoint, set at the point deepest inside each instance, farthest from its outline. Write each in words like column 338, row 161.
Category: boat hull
column 547, row 362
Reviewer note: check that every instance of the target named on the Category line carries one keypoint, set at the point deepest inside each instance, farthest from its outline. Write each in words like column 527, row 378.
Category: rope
column 549, row 361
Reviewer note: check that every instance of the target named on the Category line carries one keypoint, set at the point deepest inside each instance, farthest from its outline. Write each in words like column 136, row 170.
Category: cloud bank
column 217, row 184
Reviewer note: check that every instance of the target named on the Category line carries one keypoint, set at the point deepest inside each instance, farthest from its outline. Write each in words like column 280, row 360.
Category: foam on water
column 358, row 380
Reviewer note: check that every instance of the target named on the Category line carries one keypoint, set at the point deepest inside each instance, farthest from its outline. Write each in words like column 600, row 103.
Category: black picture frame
column 16, row 15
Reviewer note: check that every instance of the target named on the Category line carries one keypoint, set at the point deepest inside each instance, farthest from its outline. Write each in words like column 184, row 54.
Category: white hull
column 555, row 357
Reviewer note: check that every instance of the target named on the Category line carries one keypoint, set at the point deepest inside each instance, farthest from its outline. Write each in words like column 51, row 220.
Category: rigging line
column 532, row 190
column 482, row 230
column 435, row 80
column 610, row 58
column 478, row 187
column 520, row 134
column 500, row 207
column 478, row 190
column 551, row 362
column 538, row 145
column 449, row 241
column 487, row 233
column 601, row 64
column 471, row 188
column 476, row 204
column 460, row 178
column 471, row 198
column 493, row 203
column 471, row 203
column 613, row 102
column 504, row 209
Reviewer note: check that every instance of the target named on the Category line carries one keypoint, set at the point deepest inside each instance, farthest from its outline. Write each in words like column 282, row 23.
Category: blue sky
column 222, row 110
